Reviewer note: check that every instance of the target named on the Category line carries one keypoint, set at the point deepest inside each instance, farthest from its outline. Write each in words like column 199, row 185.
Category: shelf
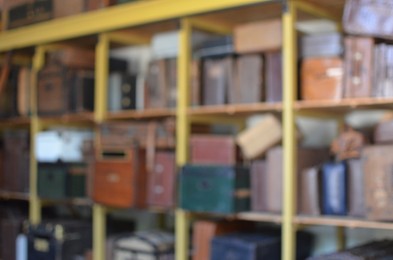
column 238, row 109
column 141, row 114
column 260, row 217
column 9, row 195
column 344, row 105
column 84, row 118
column 75, row 202
column 343, row 222
column 15, row 122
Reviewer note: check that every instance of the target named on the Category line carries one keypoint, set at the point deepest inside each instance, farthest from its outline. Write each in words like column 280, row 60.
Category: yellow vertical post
column 35, row 203
column 183, row 130
column 289, row 139
column 100, row 108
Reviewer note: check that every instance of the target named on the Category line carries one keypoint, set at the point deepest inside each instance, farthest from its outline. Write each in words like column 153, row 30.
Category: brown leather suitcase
column 122, row 134
column 258, row 185
column 356, row 195
column 63, row 8
column 18, row 13
column 307, row 157
column 358, row 67
column 309, row 192
column 258, row 37
column 120, row 178
column 10, row 229
column 384, row 132
column 171, row 75
column 321, row 45
column 161, row 189
column 23, row 92
column 273, row 76
column 348, row 144
column 155, row 88
column 99, row 4
column 217, row 77
column 73, row 57
column 378, row 188
column 213, row 149
column 248, row 86
column 206, row 230
column 322, row 79
column 195, row 93
column 365, row 17
column 383, row 76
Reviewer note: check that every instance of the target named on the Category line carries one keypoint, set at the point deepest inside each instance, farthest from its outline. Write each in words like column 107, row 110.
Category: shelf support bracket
column 289, row 138
column 128, row 38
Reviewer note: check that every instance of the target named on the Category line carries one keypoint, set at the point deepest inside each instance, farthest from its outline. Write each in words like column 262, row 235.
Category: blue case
column 334, row 189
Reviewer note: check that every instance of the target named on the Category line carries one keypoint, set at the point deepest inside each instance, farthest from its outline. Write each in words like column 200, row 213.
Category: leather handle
column 5, row 71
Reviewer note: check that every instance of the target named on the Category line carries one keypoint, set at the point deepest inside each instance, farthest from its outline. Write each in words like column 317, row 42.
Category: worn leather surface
column 258, row 185
column 309, row 192
column 321, row 45
column 356, row 198
column 273, row 76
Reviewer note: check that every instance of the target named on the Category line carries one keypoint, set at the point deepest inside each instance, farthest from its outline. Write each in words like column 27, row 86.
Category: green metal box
column 215, row 189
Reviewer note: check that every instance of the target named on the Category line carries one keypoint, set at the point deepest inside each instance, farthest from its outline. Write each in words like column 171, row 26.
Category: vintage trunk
column 248, row 88
column 10, row 229
column 128, row 93
column 243, row 246
column 383, row 74
column 309, row 192
column 258, row 37
column 120, row 178
column 196, row 89
column 217, row 79
column 122, row 134
column 73, row 58
column 322, row 79
column 45, row 242
column 334, row 189
column 99, row 4
column 216, row 189
column 384, row 132
column 322, row 45
column 171, row 75
column 23, row 91
column 258, row 185
column 255, row 141
column 63, row 8
column 147, row 245
column 215, row 47
column 155, row 87
column 206, row 230
column 213, row 149
column 356, row 195
column 364, row 17
column 378, row 176
column 348, row 145
column 27, row 12
column 161, row 190
column 358, row 67
column 82, row 92
column 273, row 77
column 9, row 95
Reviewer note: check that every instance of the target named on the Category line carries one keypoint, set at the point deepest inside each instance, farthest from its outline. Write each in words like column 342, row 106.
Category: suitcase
column 10, row 229
column 384, row 132
column 64, row 240
column 8, row 96
column 23, row 91
column 213, row 150
column 348, row 145
column 73, row 57
column 195, row 92
column 63, row 145
column 372, row 18
column 258, row 37
column 144, row 245
column 243, row 246
column 128, row 94
column 321, row 45
column 120, row 178
column 215, row 189
column 99, row 4
column 358, row 64
column 63, row 8
column 334, row 189
column 122, row 134
column 309, row 192
column 216, row 47
column 255, row 141
column 82, row 92
column 377, row 165
column 248, row 87
column 155, row 85
column 161, row 189
column 171, row 74
column 273, row 77
column 27, row 12
column 322, row 78
column 206, row 230
column 259, row 187
column 382, row 75
column 356, row 194
column 217, row 80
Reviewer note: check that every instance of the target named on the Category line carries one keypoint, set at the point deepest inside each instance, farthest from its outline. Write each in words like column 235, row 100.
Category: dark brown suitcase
column 10, row 229
column 217, row 78
column 383, row 75
column 307, row 157
column 120, row 178
column 155, row 88
column 195, row 93
column 161, row 189
column 99, row 4
column 384, row 132
column 258, row 185
column 8, row 90
column 348, row 144
column 367, row 17
column 273, row 76
column 27, row 12
column 378, row 185
column 213, row 149
column 322, row 78
column 309, row 192
column 356, row 196
column 73, row 57
column 122, row 134
column 248, row 86
column 358, row 67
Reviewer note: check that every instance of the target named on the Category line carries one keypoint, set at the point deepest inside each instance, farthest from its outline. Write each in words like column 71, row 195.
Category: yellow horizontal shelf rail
column 113, row 18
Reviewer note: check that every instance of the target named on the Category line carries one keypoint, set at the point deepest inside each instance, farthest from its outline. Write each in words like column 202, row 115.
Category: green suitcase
column 215, row 189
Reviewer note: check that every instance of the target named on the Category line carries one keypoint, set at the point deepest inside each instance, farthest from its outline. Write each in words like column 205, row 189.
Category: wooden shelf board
column 84, row 117
column 260, row 217
column 342, row 222
column 15, row 122
column 8, row 195
column 76, row 201
column 345, row 105
column 141, row 114
column 238, row 109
